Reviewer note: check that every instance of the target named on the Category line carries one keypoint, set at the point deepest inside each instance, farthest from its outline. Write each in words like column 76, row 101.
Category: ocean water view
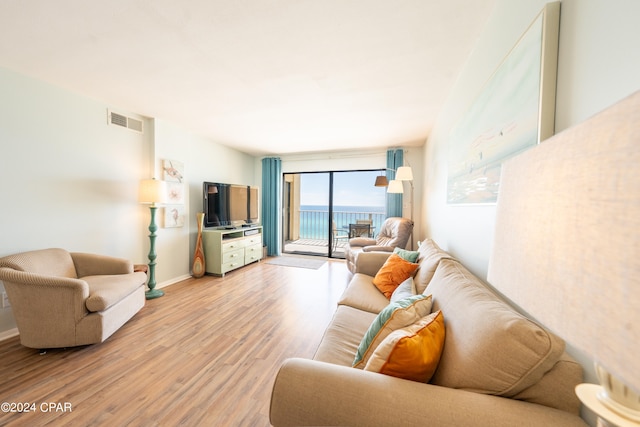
column 376, row 209
column 314, row 219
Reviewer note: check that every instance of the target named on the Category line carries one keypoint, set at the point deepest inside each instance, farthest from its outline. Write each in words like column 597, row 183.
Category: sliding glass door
column 322, row 209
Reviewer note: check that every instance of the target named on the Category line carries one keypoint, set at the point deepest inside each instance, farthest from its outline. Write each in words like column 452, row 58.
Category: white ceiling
column 262, row 76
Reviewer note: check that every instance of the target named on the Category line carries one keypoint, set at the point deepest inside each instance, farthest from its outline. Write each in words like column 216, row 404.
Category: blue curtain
column 271, row 189
column 395, row 159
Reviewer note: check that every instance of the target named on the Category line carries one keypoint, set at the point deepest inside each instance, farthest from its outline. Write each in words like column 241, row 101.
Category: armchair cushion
column 375, row 248
column 102, row 292
column 362, row 241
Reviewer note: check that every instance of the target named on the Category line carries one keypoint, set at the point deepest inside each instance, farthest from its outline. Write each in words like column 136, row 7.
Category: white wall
column 71, row 180
column 204, row 160
column 598, row 65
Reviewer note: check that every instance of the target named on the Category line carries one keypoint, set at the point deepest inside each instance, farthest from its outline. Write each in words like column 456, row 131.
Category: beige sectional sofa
column 497, row 368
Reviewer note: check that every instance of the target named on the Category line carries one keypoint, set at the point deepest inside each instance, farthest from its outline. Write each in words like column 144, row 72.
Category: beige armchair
column 62, row 299
column 394, row 232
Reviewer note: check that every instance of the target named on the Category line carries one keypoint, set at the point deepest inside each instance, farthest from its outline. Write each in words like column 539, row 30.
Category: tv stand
column 228, row 249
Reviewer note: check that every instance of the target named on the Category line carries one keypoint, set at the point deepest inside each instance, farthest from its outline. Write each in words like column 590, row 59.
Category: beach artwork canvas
column 503, row 121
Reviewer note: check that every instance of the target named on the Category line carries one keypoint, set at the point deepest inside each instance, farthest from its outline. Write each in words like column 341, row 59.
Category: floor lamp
column 404, row 173
column 152, row 192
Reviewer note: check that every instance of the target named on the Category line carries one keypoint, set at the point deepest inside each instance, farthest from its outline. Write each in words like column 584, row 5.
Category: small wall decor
column 174, row 211
column 174, row 216
column 173, row 170
column 175, row 193
column 514, row 111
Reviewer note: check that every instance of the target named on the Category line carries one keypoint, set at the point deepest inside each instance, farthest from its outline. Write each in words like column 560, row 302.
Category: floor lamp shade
column 567, row 239
column 152, row 191
column 395, row 186
column 404, row 173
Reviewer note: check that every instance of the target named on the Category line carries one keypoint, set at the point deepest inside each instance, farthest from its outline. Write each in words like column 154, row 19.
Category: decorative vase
column 198, row 256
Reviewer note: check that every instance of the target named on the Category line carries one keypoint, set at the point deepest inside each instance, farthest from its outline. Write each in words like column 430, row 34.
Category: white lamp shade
column 568, row 237
column 404, row 173
column 152, row 191
column 395, row 186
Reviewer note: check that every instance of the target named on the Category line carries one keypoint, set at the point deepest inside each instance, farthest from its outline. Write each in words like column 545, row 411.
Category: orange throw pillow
column 394, row 271
column 412, row 353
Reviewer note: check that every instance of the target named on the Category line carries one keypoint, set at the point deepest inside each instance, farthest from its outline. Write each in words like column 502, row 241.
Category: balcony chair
column 359, row 230
column 366, row 221
column 339, row 237
column 62, row 299
column 394, row 232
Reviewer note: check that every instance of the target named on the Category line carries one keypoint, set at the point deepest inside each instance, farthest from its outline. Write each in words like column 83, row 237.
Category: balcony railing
column 314, row 224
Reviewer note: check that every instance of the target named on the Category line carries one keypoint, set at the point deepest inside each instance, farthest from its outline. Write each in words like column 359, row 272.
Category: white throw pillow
column 404, row 290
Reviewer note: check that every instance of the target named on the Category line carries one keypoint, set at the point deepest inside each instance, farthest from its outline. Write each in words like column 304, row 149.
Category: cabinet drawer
column 231, row 265
column 256, row 239
column 232, row 245
column 252, row 253
column 233, row 256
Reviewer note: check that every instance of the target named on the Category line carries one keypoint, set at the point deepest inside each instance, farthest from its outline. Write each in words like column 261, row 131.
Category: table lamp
column 567, row 248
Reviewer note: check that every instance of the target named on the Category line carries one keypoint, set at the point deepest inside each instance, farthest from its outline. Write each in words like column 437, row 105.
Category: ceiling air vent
column 124, row 121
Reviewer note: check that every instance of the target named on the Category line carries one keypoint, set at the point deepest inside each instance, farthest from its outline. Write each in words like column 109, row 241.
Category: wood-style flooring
column 205, row 354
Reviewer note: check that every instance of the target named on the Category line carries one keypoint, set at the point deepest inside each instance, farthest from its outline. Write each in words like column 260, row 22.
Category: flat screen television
column 229, row 205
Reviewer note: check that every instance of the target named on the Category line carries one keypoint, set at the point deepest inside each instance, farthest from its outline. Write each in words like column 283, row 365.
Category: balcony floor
column 317, row 247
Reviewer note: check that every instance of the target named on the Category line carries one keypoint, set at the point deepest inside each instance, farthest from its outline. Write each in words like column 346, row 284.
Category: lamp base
column 617, row 407
column 588, row 394
column 153, row 293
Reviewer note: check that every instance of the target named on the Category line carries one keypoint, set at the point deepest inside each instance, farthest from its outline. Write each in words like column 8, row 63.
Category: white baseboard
column 172, row 281
column 8, row 334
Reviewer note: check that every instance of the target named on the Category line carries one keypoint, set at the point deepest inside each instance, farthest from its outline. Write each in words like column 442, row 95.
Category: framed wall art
column 174, row 211
column 514, row 111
